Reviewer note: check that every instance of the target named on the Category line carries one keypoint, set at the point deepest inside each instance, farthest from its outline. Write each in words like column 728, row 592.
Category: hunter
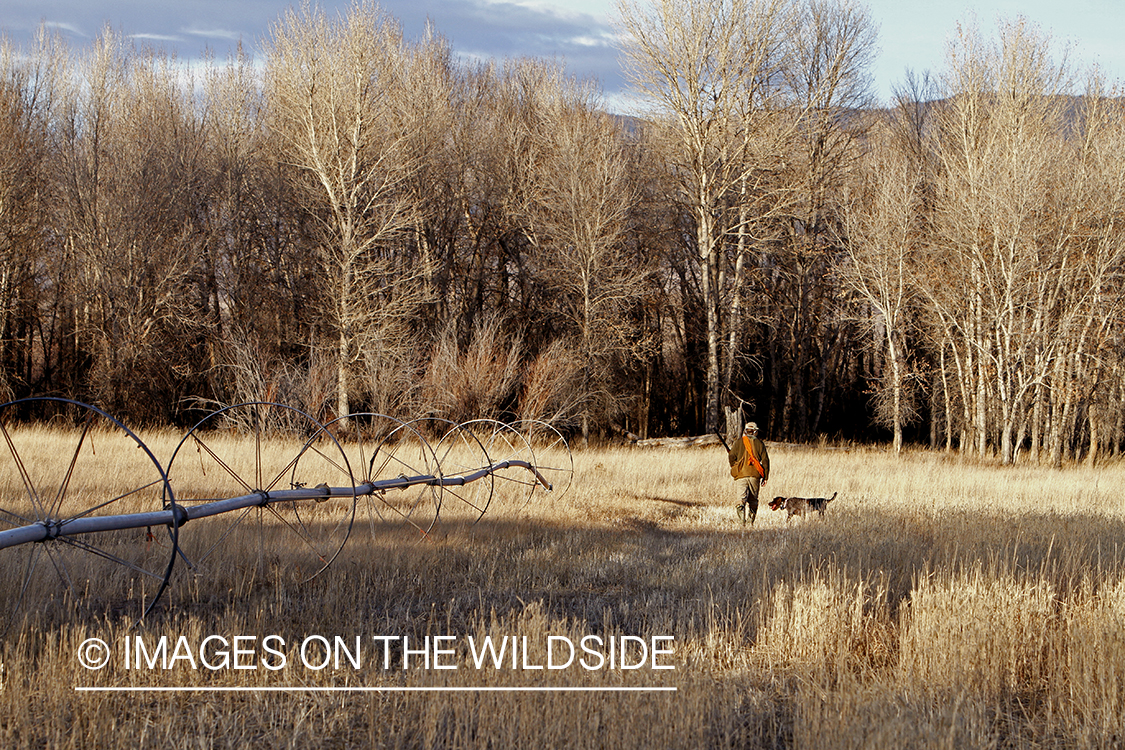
column 750, row 467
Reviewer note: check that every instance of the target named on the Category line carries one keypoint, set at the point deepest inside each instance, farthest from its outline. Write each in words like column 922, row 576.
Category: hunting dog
column 800, row 506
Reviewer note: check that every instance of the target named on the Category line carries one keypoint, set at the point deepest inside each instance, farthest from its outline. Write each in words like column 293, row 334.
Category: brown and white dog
column 799, row 506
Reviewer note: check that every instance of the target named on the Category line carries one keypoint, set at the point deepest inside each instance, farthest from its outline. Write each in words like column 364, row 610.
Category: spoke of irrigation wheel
column 201, row 445
column 322, row 524
column 33, row 495
column 198, row 555
column 238, row 517
column 288, row 468
column 14, row 520
column 79, row 544
column 515, row 484
column 103, row 571
column 60, row 569
column 29, row 570
column 57, row 504
column 327, row 457
column 107, row 503
column 257, row 447
column 260, row 532
column 416, row 506
column 303, row 531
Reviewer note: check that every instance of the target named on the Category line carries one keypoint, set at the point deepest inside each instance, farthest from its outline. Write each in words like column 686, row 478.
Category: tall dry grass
column 936, row 604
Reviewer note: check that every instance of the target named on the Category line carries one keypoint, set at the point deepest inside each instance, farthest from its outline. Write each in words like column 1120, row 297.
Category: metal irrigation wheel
column 503, row 443
column 553, row 458
column 395, row 464
column 272, row 458
column 461, row 457
column 65, row 469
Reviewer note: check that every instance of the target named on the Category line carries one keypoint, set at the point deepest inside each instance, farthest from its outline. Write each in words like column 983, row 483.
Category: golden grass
column 936, row 604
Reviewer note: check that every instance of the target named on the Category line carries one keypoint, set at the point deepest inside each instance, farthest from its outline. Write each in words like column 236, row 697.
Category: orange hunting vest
column 734, row 471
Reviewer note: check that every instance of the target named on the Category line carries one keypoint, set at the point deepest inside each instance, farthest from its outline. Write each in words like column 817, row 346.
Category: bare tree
column 1091, row 261
column 883, row 237
column 1000, row 137
column 827, row 73
column 706, row 66
column 28, row 91
column 329, row 85
column 236, row 295
column 579, row 201
column 429, row 79
column 130, row 121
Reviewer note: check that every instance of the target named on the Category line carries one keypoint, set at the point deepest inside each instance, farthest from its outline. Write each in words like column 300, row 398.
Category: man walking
column 750, row 467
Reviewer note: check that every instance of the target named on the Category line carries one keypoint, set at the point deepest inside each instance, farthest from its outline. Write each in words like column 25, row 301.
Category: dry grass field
column 937, row 604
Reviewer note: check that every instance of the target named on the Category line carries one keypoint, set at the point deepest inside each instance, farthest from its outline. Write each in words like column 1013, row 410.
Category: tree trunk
column 735, row 422
column 948, row 404
column 896, row 392
column 734, row 324
column 1095, row 424
column 708, row 266
column 343, row 344
column 1036, row 424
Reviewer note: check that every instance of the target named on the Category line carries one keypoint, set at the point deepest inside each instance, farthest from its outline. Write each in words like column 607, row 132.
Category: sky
column 913, row 34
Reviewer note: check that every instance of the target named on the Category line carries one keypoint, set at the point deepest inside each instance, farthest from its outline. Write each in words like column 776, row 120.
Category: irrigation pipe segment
column 178, row 515
column 38, row 505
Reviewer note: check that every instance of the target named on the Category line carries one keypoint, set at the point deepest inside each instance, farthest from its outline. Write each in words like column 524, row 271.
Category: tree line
column 359, row 221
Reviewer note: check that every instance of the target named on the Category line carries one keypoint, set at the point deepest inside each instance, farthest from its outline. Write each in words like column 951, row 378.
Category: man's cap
column 751, row 427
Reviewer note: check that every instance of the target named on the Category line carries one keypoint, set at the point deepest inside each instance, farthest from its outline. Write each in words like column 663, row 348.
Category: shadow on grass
column 636, row 573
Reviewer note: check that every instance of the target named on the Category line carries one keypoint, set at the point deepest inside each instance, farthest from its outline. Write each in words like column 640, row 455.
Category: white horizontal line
column 365, row 689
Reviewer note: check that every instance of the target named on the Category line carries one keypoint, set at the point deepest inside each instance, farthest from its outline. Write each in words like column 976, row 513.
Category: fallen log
column 698, row 441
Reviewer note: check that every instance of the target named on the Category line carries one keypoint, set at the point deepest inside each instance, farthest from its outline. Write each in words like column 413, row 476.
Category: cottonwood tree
column 481, row 173
column 827, row 76
column 887, row 213
column 883, row 236
column 129, row 121
column 579, row 201
column 706, row 66
column 329, row 85
column 232, row 217
column 28, row 90
column 1090, row 259
column 429, row 80
column 256, row 281
column 1000, row 135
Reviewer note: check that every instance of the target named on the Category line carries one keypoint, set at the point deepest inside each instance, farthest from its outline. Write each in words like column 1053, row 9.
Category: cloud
column 475, row 28
column 225, row 34
column 66, row 29
column 478, row 29
column 156, row 38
